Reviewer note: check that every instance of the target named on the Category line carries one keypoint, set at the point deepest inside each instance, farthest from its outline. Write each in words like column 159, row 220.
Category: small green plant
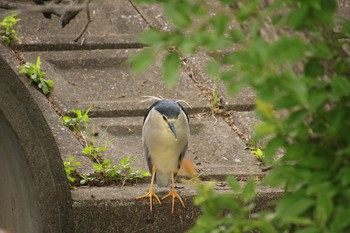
column 105, row 172
column 71, row 169
column 8, row 34
column 214, row 105
column 76, row 123
column 87, row 179
column 36, row 75
column 94, row 152
column 127, row 173
column 259, row 154
column 121, row 173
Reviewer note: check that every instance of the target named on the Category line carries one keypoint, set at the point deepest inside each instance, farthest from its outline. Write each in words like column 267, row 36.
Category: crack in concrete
column 207, row 93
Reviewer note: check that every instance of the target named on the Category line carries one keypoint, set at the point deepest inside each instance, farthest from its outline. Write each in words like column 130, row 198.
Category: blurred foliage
column 7, row 32
column 292, row 53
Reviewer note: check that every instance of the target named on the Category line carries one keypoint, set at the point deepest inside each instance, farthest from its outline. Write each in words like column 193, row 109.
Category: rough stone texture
column 102, row 79
column 121, row 213
column 343, row 9
column 245, row 121
column 114, row 24
column 214, row 147
column 34, row 192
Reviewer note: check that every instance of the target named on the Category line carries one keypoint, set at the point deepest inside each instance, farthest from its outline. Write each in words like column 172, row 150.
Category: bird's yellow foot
column 174, row 195
column 150, row 195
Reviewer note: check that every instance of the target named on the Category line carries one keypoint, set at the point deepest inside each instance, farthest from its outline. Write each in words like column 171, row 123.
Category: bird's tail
column 163, row 178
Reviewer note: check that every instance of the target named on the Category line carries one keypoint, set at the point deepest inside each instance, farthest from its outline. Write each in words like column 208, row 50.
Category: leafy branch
column 288, row 53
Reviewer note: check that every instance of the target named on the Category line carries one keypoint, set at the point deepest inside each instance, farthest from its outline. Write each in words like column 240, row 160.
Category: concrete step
column 114, row 209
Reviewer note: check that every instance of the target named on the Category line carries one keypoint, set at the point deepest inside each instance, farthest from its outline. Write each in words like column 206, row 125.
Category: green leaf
column 178, row 14
column 97, row 167
column 49, row 82
column 236, row 35
column 309, row 229
column 317, row 99
column 171, row 68
column 261, row 226
column 313, row 68
column 44, row 88
column 219, row 23
column 125, row 160
column 292, row 205
column 88, row 150
column 233, row 183
column 341, row 219
column 297, row 17
column 322, row 50
column 340, row 86
column 258, row 152
column 263, row 129
column 154, row 37
column 248, row 192
column 271, row 148
column 213, row 70
column 344, row 176
column 142, row 60
column 188, row 45
column 287, row 49
column 38, row 62
column 324, row 206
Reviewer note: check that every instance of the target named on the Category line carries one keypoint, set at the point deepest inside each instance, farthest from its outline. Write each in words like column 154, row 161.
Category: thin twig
column 50, row 8
column 87, row 23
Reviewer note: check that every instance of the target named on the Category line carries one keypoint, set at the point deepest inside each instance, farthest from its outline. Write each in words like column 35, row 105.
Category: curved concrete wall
column 19, row 209
column 34, row 195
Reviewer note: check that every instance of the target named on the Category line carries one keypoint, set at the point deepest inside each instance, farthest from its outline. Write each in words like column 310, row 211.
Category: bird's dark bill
column 172, row 128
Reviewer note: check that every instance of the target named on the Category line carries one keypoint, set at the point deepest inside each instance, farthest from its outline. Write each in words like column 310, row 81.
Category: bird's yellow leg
column 173, row 194
column 151, row 193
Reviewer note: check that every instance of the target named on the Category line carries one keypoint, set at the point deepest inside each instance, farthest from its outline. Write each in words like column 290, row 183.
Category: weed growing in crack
column 259, row 154
column 78, row 122
column 121, row 173
column 215, row 104
column 8, row 34
column 36, row 75
column 71, row 169
column 105, row 172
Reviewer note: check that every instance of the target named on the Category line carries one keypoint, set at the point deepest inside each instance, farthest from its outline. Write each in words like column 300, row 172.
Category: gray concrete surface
column 134, row 216
column 94, row 73
column 214, row 147
column 34, row 194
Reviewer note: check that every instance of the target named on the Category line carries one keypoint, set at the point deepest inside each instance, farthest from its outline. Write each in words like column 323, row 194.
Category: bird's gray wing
column 182, row 155
column 148, row 158
column 145, row 148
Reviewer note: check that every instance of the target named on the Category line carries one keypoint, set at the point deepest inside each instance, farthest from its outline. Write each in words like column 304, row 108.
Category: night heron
column 165, row 135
